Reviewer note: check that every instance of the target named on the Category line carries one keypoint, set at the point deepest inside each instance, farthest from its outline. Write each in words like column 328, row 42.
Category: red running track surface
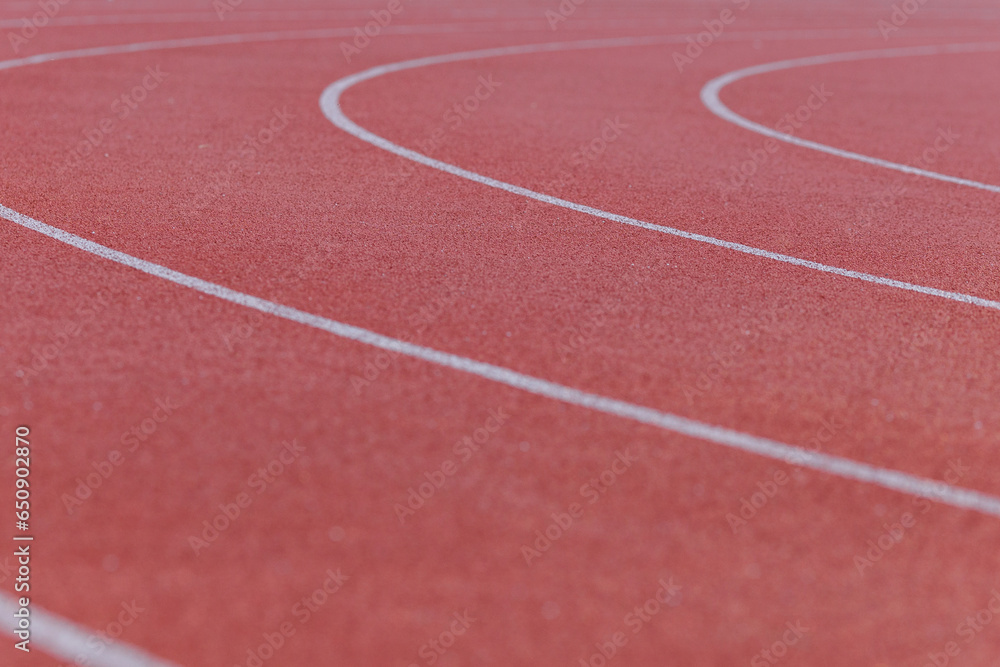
column 313, row 218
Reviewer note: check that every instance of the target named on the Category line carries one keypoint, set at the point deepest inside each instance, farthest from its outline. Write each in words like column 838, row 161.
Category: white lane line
column 419, row 29
column 243, row 38
column 519, row 23
column 826, row 463
column 74, row 643
column 360, row 17
column 330, row 103
column 61, row 636
column 207, row 16
column 710, row 98
column 210, row 15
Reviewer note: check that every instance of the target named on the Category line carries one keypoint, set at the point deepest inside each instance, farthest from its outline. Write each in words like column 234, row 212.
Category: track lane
column 623, row 508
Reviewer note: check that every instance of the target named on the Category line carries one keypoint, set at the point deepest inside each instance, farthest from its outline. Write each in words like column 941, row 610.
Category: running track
column 375, row 279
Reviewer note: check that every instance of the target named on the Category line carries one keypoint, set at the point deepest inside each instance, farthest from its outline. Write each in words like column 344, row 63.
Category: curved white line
column 834, row 465
column 241, row 38
column 826, row 463
column 207, row 16
column 529, row 20
column 330, row 103
column 498, row 24
column 324, row 33
column 710, row 98
column 61, row 637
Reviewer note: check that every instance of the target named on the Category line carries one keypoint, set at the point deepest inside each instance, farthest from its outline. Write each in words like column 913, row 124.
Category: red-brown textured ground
column 323, row 222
